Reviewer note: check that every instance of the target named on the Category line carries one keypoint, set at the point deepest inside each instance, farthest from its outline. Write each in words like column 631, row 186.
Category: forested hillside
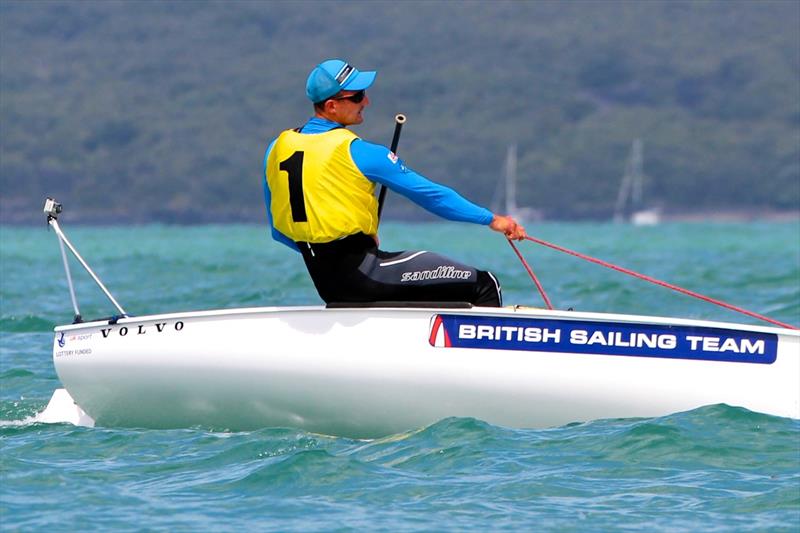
column 140, row 111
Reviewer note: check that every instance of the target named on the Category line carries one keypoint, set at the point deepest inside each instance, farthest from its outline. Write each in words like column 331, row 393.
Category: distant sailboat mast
column 511, row 180
column 507, row 191
column 630, row 199
column 636, row 170
column 630, row 190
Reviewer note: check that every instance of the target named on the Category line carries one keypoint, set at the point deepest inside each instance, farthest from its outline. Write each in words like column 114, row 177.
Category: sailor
column 319, row 188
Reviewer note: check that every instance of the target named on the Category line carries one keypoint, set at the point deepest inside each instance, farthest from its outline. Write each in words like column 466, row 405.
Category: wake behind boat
column 377, row 369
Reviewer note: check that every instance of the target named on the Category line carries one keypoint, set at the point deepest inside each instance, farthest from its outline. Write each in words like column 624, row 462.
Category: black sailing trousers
column 353, row 269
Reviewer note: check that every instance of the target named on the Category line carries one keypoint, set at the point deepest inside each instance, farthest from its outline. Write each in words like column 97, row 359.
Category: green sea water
column 717, row 468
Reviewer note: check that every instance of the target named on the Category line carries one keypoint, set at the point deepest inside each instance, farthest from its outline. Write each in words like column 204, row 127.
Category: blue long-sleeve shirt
column 376, row 163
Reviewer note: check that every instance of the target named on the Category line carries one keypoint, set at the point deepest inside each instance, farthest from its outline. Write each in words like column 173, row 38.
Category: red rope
column 532, row 275
column 659, row 282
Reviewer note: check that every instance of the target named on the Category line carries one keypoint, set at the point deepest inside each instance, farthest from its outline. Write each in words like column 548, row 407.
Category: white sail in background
column 630, row 198
column 522, row 214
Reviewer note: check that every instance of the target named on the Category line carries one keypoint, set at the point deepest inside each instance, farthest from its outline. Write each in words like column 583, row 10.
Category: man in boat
column 319, row 189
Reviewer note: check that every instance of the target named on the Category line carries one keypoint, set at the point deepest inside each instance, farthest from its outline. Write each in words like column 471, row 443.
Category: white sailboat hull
column 376, row 371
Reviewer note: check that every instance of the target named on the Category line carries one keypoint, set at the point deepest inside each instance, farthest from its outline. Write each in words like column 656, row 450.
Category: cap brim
column 360, row 81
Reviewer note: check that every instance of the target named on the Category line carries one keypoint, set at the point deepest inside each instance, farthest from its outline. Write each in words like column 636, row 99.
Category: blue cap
column 334, row 75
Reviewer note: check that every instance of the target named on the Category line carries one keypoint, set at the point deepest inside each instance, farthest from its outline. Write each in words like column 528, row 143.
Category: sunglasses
column 356, row 98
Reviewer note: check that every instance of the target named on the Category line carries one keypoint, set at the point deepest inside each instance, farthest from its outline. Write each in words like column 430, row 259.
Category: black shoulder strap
column 297, row 130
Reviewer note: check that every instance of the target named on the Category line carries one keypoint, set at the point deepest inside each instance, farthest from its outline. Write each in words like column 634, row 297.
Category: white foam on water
column 24, row 422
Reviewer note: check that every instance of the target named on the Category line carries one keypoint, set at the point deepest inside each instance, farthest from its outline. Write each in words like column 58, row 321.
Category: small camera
column 52, row 208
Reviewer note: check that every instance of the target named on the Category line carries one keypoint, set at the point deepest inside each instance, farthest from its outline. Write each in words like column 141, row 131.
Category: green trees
column 162, row 110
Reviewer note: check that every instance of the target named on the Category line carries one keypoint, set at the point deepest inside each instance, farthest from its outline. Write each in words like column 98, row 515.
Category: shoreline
column 733, row 215
column 84, row 217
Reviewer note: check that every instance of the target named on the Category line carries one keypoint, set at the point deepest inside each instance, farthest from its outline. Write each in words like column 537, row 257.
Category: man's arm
column 379, row 164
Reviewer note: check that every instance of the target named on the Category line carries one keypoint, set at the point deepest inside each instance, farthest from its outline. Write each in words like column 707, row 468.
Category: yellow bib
column 318, row 192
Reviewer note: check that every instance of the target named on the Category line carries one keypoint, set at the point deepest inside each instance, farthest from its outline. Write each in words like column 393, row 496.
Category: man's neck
column 318, row 124
column 325, row 116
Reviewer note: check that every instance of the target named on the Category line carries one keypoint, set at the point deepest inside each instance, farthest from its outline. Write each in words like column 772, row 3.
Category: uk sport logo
column 439, row 336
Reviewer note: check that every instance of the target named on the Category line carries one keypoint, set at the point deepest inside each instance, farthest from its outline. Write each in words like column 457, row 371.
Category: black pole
column 399, row 120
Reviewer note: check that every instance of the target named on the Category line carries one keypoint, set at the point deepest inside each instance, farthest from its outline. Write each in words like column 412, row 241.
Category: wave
column 25, row 324
column 717, row 458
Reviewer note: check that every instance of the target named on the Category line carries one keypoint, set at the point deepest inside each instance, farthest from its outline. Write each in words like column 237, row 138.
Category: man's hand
column 508, row 226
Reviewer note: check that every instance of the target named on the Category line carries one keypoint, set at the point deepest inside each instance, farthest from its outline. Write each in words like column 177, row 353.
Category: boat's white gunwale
column 484, row 311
